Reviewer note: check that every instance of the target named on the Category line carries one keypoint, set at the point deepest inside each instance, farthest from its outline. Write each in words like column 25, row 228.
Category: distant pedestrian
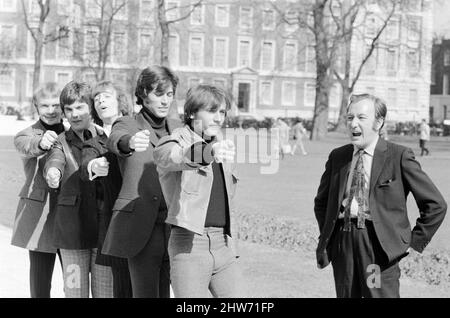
column 283, row 134
column 424, row 137
column 34, row 218
column 299, row 132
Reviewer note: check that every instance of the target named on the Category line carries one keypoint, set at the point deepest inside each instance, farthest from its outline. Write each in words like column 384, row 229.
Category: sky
column 442, row 17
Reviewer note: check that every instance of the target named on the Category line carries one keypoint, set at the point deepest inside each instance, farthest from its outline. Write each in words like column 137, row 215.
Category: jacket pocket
column 69, row 200
column 190, row 181
column 124, row 205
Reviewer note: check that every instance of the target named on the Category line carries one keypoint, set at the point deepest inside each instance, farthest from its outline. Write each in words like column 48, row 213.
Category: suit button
column 155, row 198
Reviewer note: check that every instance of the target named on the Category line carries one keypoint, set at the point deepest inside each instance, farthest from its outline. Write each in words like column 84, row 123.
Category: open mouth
column 356, row 134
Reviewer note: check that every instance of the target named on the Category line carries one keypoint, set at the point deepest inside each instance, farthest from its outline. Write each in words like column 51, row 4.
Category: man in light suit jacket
column 33, row 225
column 361, row 206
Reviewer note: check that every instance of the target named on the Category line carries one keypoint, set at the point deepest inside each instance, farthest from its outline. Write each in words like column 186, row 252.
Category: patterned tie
column 358, row 192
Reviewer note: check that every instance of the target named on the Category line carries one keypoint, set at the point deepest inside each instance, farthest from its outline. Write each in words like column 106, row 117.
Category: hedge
column 432, row 266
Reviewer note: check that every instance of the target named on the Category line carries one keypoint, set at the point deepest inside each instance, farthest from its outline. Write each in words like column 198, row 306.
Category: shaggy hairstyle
column 123, row 102
column 379, row 104
column 47, row 90
column 154, row 78
column 76, row 92
column 204, row 97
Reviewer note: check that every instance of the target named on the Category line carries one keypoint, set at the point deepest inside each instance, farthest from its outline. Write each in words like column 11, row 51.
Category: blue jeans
column 202, row 263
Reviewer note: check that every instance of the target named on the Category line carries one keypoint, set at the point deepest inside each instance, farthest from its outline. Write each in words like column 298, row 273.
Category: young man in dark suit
column 138, row 230
column 361, row 206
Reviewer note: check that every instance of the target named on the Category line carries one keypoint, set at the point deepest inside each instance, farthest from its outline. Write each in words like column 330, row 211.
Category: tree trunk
column 320, row 117
column 39, row 45
column 342, row 121
column 164, row 54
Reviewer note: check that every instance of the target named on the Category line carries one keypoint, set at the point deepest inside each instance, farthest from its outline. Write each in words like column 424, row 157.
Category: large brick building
column 440, row 82
column 268, row 66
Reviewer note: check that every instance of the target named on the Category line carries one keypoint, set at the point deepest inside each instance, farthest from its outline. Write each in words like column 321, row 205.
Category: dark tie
column 358, row 192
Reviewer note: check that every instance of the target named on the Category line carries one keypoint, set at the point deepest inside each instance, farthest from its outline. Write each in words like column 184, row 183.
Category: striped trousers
column 77, row 265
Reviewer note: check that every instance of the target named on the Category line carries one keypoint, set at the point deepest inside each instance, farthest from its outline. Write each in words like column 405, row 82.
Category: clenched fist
column 224, row 151
column 53, row 177
column 140, row 141
column 99, row 166
column 48, row 139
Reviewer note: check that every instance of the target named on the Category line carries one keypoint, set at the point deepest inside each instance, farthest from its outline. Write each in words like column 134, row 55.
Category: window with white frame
column 288, row 93
column 196, row 49
column 62, row 78
column 310, row 94
column 222, row 15
column 414, row 27
column 172, row 10
column 147, row 10
column 119, row 47
column 120, row 9
column 75, row 15
column 371, row 63
column 268, row 55
column 7, row 82
column 220, row 58
column 29, row 83
column 334, row 98
column 393, row 29
column 412, row 60
column 91, row 43
column 174, row 49
column 64, row 48
column 371, row 25
column 291, row 20
column 245, row 17
column 64, row 7
column 413, row 98
column 447, row 57
column 266, row 92
column 194, row 81
column 268, row 19
column 220, row 82
column 8, row 41
column 290, row 56
column 145, row 47
column 93, row 9
column 391, row 60
column 8, row 5
column 33, row 9
column 198, row 15
column 445, row 83
column 310, row 58
column 433, row 74
column 392, row 97
column 244, row 52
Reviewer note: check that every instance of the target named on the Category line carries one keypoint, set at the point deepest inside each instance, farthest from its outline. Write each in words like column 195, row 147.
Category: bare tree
column 36, row 27
column 165, row 23
column 351, row 13
column 97, row 31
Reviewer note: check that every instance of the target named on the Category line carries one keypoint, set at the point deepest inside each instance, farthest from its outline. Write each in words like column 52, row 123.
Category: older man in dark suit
column 361, row 206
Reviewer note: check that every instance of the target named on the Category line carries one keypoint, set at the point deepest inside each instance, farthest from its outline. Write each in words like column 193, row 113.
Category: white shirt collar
column 370, row 149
